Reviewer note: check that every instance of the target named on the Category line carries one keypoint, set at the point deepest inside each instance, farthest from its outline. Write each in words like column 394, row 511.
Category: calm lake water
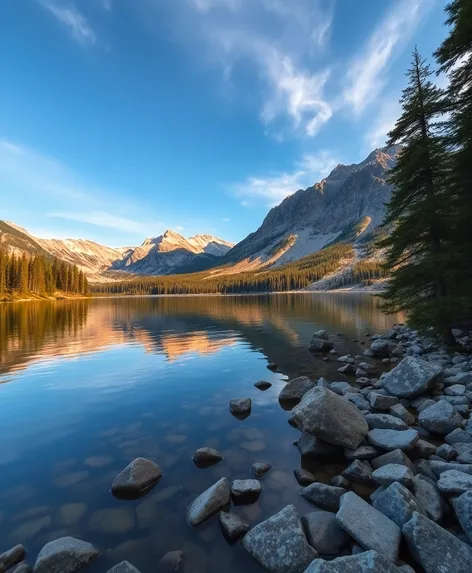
column 86, row 386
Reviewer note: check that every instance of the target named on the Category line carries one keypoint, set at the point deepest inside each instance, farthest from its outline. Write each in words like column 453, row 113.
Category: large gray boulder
column 393, row 439
column 279, row 543
column 428, row 496
column 123, row 567
column 323, row 495
column 324, row 533
column 64, row 555
column 434, row 548
column 397, row 503
column 136, row 479
column 366, row 562
column 295, row 389
column 411, row 377
column 368, row 526
column 331, row 418
column 211, row 501
column 463, row 508
column 441, row 418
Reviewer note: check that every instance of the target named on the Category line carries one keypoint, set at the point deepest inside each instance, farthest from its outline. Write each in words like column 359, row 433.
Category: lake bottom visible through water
column 86, row 386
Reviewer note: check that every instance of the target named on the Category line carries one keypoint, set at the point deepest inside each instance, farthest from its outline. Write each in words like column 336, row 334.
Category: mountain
column 345, row 206
column 165, row 254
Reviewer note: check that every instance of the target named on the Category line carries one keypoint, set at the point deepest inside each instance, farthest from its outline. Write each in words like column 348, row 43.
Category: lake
column 86, row 386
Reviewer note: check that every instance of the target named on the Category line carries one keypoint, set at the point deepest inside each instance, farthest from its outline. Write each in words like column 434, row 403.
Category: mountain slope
column 345, row 205
column 17, row 240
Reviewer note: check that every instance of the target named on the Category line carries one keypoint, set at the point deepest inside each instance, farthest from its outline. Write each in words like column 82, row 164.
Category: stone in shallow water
column 397, row 503
column 71, row 513
column 441, row 418
column 258, row 469
column 391, row 473
column 64, row 555
column 136, row 479
column 240, row 406
column 205, row 457
column 393, row 439
column 21, row 567
column 123, row 567
column 365, row 562
column 233, row 525
column 312, row 447
column 170, row 562
column 324, row 533
column 463, row 508
column 380, row 347
column 211, row 501
column 331, row 418
column 368, row 526
column 304, row 477
column 12, row 556
column 295, row 389
column 320, row 345
column 263, row 385
column 245, row 489
column 324, row 496
column 453, row 481
column 434, row 548
column 117, row 520
column 411, row 377
column 279, row 543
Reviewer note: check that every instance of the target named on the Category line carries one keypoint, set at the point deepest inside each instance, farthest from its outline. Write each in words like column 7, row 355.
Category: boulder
column 440, row 418
column 295, row 389
column 243, row 490
column 364, row 562
column 279, row 543
column 434, row 548
column 324, row 496
column 385, row 422
column 458, row 436
column 331, row 418
column 205, row 457
column 463, row 508
column 123, row 567
column 324, row 533
column 11, row 557
column 412, row 377
column 428, row 496
column 312, row 447
column 380, row 347
column 320, row 345
column 368, row 526
column 240, row 406
column 304, row 477
column 258, row 470
column 397, row 503
column 136, row 479
column 233, row 525
column 393, row 439
column 263, row 385
column 211, row 501
column 64, row 555
column 454, row 481
column 390, row 473
column 359, row 472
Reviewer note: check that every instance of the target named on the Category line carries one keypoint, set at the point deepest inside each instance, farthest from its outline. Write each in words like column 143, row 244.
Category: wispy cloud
column 107, row 220
column 69, row 16
column 272, row 188
column 367, row 74
column 383, row 121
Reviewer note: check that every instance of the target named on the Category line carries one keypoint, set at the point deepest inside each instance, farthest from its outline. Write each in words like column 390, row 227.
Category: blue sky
column 121, row 118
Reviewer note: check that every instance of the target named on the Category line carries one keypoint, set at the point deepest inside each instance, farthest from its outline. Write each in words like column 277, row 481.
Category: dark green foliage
column 292, row 276
column 418, row 246
column 39, row 275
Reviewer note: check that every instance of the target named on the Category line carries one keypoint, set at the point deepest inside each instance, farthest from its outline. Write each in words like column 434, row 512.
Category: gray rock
column 136, row 479
column 295, row 389
column 455, row 390
column 279, row 543
column 204, row 457
column 425, row 403
column 400, row 412
column 428, row 497
column 348, row 369
column 434, row 548
column 12, row 556
column 331, row 418
column 390, row 473
column 347, row 359
column 369, row 368
column 123, row 567
column 361, row 453
column 21, row 567
column 233, row 525
column 463, row 508
column 361, row 373
column 339, row 481
column 245, row 488
column 358, row 401
column 440, row 418
column 365, row 562
column 322, row 495
column 339, row 387
column 397, row 503
column 412, row 377
column 446, row 452
column 382, row 402
column 368, row 526
column 64, row 555
column 393, row 457
column 258, row 470
column 320, row 345
column 393, row 439
column 304, row 477
column 240, row 406
column 324, row 533
column 211, row 501
column 454, row 481
column 263, row 385
column 439, row 467
column 458, row 436
column 423, row 449
column 323, row 334
column 380, row 347
column 385, row 422
column 312, row 447
column 359, row 472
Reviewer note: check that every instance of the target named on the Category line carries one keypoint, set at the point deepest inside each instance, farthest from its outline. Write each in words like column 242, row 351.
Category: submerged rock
column 365, row 562
column 310, row 446
column 411, row 377
column 233, row 525
column 211, row 501
column 170, row 562
column 279, row 543
column 205, row 457
column 136, row 479
column 64, row 555
column 331, row 418
column 304, row 477
column 258, row 470
column 320, row 345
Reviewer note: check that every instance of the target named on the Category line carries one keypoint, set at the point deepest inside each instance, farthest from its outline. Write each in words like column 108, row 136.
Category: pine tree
column 24, row 275
column 455, row 58
column 417, row 248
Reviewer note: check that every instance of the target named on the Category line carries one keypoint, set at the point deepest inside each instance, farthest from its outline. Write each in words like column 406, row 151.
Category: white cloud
column 271, row 189
column 69, row 16
column 367, row 74
column 207, row 5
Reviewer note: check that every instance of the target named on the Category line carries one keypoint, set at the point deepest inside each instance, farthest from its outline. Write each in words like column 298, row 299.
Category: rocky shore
column 402, row 503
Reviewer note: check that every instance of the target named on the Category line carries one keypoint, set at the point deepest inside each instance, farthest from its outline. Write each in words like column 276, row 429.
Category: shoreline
column 46, row 298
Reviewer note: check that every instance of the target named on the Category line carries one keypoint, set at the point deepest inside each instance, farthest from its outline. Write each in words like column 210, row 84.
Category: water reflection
column 90, row 385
